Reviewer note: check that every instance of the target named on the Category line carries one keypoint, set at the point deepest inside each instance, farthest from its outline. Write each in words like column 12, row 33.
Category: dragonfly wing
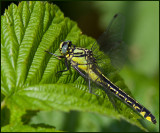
column 111, row 41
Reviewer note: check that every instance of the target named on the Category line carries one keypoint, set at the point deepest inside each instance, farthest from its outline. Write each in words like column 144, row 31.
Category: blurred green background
column 140, row 73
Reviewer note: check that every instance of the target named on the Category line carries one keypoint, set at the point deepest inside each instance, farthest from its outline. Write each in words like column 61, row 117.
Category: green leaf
column 29, row 78
column 18, row 127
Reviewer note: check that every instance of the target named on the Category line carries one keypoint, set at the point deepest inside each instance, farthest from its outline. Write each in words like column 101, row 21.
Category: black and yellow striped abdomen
column 129, row 100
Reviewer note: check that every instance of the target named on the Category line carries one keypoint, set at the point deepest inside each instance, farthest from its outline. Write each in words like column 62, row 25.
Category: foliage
column 29, row 79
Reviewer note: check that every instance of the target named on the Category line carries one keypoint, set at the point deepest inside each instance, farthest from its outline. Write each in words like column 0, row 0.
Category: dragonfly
column 84, row 62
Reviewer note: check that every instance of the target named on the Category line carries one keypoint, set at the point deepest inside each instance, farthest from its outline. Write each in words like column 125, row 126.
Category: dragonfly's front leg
column 60, row 57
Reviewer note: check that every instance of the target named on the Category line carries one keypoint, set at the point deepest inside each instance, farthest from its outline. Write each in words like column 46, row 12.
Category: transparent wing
column 111, row 41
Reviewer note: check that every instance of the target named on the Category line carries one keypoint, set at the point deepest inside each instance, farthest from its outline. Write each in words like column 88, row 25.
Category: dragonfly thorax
column 65, row 47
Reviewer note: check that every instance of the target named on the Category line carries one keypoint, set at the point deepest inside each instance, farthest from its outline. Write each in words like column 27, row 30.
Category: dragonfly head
column 65, row 47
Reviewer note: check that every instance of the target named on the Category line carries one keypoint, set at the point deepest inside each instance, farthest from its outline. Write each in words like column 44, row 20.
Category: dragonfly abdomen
column 127, row 99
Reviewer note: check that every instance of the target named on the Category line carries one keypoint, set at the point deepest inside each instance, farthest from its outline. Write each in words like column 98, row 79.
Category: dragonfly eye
column 64, row 47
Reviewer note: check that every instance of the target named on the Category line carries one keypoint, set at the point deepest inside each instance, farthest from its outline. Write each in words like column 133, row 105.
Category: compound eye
column 64, row 48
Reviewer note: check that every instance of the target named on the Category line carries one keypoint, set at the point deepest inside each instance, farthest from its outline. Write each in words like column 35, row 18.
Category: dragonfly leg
column 80, row 72
column 89, row 86
column 66, row 64
column 59, row 57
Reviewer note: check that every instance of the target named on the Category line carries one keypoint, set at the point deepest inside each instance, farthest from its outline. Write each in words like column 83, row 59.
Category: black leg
column 59, row 57
column 66, row 64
